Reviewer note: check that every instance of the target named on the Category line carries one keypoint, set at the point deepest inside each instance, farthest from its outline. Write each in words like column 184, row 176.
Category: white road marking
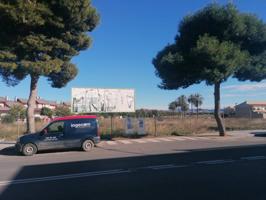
column 169, row 166
column 63, row 177
column 140, row 141
column 203, row 138
column 164, row 139
column 189, row 138
column 125, row 141
column 161, row 166
column 212, row 162
column 151, row 140
column 254, row 158
column 178, row 138
column 111, row 142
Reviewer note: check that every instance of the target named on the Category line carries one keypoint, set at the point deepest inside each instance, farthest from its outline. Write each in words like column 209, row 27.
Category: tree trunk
column 217, row 113
column 197, row 112
column 32, row 104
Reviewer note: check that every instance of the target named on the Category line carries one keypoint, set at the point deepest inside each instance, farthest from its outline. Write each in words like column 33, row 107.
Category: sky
column 130, row 34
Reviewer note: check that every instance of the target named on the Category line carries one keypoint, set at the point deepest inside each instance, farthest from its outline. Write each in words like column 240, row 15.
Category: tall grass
column 161, row 127
column 13, row 131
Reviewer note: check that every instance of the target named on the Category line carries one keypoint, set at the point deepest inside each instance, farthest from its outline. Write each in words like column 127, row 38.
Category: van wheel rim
column 88, row 145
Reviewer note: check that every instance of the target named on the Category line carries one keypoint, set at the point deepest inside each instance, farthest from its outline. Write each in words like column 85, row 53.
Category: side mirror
column 44, row 131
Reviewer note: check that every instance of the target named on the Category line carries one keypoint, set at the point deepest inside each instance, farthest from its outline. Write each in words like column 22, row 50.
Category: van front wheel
column 87, row 145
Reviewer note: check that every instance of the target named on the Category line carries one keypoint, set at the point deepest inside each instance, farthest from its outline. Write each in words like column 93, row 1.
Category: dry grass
column 164, row 126
column 13, row 131
column 185, row 126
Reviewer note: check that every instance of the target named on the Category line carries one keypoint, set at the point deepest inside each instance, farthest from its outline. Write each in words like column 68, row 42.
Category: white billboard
column 98, row 100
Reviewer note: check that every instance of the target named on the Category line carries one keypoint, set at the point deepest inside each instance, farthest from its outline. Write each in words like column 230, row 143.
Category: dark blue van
column 62, row 133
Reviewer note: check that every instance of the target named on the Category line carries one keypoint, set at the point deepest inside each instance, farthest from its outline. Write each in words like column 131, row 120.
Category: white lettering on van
column 84, row 125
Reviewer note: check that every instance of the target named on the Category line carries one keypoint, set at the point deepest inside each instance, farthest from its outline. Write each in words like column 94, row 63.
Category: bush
column 8, row 119
column 62, row 111
column 17, row 111
column 46, row 112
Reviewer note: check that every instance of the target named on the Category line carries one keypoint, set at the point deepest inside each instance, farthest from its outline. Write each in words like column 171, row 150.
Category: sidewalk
column 239, row 134
column 211, row 135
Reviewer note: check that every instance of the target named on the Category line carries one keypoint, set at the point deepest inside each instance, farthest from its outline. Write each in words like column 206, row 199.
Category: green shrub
column 46, row 112
column 62, row 111
column 8, row 119
column 17, row 111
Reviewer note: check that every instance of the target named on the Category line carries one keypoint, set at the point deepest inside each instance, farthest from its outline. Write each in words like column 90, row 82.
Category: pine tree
column 39, row 38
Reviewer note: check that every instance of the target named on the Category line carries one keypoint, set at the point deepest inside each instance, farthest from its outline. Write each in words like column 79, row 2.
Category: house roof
column 65, row 103
column 256, row 103
column 46, row 102
column 2, row 99
column 11, row 103
column 23, row 101
column 4, row 109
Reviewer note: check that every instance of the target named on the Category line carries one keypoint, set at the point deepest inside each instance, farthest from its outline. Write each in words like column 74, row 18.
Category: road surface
column 158, row 168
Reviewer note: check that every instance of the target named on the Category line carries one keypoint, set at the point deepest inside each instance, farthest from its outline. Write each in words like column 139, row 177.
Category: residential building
column 9, row 103
column 6, row 104
column 65, row 103
column 251, row 109
column 2, row 101
column 41, row 103
column 23, row 102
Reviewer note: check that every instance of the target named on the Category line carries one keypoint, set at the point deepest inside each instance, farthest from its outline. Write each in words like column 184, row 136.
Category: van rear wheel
column 29, row 149
column 87, row 145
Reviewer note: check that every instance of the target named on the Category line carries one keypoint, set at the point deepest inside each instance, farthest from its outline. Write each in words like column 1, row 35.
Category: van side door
column 78, row 130
column 53, row 136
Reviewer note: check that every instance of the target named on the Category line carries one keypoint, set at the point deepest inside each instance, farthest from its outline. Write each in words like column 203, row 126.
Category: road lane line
column 253, row 158
column 111, row 143
column 63, row 177
column 178, row 138
column 213, row 162
column 140, row 141
column 203, row 138
column 164, row 139
column 189, row 138
column 125, row 141
column 170, row 167
column 160, row 166
column 151, row 140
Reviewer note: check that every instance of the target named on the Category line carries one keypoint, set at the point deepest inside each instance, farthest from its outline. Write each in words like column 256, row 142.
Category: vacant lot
column 161, row 126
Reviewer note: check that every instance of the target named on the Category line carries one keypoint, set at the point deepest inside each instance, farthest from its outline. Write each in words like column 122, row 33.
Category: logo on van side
column 84, row 125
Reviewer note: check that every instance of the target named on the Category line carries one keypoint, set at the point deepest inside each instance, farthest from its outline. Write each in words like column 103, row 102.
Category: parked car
column 62, row 133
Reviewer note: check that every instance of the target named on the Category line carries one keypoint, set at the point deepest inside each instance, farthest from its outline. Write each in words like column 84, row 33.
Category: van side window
column 56, row 127
column 82, row 126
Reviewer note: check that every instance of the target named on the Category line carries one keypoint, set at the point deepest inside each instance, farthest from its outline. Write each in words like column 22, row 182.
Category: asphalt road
column 194, row 169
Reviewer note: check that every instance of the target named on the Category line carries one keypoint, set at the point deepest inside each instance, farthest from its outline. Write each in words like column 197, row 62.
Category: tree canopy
column 172, row 106
column 40, row 37
column 213, row 44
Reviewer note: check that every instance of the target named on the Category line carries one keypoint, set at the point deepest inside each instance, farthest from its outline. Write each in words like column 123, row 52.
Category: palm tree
column 196, row 100
column 190, row 101
column 172, row 106
column 183, row 104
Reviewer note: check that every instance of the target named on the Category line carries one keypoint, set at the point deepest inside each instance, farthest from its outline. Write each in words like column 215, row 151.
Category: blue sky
column 130, row 34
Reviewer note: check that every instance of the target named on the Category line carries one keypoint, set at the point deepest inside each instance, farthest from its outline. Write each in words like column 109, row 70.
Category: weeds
column 166, row 126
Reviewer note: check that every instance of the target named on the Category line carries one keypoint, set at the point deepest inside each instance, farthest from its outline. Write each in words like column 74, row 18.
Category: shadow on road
column 9, row 151
column 259, row 134
column 138, row 181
